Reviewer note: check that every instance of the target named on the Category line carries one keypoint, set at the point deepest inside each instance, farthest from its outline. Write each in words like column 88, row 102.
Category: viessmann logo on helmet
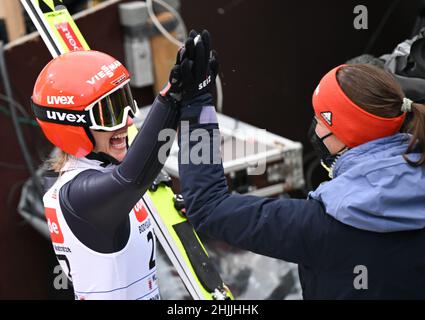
column 106, row 71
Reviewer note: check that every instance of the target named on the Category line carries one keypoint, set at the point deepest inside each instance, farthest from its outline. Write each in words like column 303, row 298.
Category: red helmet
column 78, row 91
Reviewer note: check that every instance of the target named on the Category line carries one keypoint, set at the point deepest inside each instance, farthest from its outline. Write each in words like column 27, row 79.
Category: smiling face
column 112, row 143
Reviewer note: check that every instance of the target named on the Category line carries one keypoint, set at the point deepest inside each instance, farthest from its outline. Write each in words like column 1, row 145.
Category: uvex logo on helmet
column 106, row 71
column 52, row 100
column 63, row 116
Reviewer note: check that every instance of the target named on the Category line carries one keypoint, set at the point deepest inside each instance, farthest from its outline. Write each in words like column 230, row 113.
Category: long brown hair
column 377, row 92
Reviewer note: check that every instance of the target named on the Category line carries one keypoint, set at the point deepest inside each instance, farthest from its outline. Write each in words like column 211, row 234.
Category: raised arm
column 281, row 228
column 98, row 201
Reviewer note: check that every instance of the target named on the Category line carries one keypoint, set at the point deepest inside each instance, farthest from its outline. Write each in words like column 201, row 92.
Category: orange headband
column 347, row 121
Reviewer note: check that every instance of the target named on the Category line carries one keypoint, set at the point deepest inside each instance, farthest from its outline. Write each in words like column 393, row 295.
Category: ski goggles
column 108, row 113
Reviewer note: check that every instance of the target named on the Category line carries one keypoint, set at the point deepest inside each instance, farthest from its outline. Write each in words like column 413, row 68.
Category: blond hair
column 57, row 160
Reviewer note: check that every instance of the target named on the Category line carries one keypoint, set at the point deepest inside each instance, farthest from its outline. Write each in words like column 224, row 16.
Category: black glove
column 195, row 70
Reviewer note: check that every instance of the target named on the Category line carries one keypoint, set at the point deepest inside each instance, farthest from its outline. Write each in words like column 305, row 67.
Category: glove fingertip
column 189, row 48
column 206, row 38
column 193, row 34
column 180, row 55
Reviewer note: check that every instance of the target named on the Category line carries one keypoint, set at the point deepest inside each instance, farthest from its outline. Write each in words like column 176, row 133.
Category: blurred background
column 272, row 54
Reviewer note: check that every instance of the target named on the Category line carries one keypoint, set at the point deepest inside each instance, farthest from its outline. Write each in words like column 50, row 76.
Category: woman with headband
column 360, row 235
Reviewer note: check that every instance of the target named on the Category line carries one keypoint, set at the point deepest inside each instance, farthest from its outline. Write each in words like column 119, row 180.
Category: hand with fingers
column 195, row 70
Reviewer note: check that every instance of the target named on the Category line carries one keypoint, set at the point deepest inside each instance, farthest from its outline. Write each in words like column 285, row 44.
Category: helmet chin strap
column 89, row 134
column 103, row 157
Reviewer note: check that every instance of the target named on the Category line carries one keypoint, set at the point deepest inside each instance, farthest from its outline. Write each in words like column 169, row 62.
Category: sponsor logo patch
column 105, row 71
column 140, row 211
column 53, row 224
column 63, row 116
column 204, row 83
column 69, row 37
column 327, row 116
column 119, row 80
column 52, row 100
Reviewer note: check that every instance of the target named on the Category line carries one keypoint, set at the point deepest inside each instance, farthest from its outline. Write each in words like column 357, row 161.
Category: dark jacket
column 336, row 260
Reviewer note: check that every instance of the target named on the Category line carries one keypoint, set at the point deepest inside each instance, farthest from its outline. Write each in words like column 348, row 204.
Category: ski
column 55, row 25
column 183, row 246
column 177, row 237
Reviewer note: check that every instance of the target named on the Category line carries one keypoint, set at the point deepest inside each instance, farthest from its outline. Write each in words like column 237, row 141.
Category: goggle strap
column 61, row 116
